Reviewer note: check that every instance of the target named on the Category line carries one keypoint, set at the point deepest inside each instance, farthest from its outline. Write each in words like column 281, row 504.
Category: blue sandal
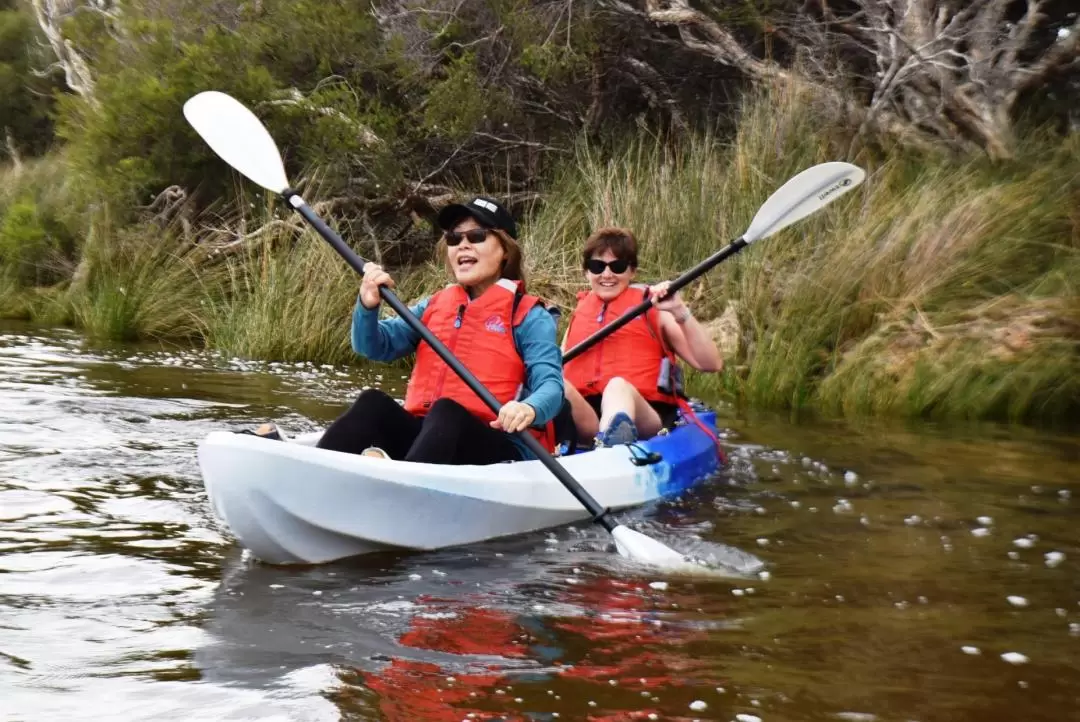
column 621, row 430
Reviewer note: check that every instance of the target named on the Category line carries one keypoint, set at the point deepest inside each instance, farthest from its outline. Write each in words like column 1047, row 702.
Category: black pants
column 449, row 434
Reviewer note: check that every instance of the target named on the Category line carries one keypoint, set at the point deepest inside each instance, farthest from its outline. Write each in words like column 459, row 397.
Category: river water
column 922, row 574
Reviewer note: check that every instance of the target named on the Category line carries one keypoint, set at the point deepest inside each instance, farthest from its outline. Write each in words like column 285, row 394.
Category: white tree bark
column 946, row 71
column 50, row 15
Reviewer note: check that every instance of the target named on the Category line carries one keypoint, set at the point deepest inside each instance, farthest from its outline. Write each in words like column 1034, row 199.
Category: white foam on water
column 1017, row 601
column 1014, row 658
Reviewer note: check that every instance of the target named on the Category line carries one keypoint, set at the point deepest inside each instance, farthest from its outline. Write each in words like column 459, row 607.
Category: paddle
column 240, row 139
column 809, row 191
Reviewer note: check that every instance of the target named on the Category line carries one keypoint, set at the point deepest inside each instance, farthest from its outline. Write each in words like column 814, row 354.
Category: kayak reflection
column 442, row 637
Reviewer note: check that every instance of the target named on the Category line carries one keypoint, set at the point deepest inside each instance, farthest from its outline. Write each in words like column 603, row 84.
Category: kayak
column 289, row 502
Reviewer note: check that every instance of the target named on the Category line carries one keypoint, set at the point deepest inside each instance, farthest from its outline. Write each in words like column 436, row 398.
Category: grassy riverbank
column 942, row 288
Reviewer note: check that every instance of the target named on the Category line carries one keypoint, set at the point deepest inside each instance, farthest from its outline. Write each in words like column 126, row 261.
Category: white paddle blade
column 635, row 545
column 234, row 133
column 809, row 191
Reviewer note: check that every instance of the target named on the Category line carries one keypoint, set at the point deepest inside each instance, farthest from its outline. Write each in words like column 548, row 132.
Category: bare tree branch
column 50, row 15
column 294, row 98
column 947, row 72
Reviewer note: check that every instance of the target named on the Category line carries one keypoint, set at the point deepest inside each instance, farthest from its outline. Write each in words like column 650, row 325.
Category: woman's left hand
column 673, row 305
column 514, row 416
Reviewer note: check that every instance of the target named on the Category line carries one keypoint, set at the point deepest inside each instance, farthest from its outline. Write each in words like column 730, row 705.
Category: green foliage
column 25, row 100
column 133, row 141
column 552, row 62
column 136, row 141
column 24, row 243
column 452, row 108
column 13, row 303
column 289, row 304
column 138, row 283
column 38, row 223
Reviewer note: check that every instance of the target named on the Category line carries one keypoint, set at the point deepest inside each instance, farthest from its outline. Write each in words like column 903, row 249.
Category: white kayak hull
column 292, row 503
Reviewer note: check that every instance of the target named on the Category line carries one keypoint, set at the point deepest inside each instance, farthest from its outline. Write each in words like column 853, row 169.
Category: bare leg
column 620, row 395
column 584, row 417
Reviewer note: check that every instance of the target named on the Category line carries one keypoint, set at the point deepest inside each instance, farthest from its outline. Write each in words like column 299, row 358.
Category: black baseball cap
column 487, row 211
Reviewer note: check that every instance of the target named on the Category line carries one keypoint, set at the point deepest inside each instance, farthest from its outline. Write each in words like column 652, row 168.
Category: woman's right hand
column 374, row 276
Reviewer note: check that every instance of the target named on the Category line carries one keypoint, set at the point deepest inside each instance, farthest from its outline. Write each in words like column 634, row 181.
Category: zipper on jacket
column 452, row 345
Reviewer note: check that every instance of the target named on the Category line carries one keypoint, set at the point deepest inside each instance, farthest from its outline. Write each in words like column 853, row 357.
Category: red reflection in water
column 643, row 648
column 413, row 690
column 620, row 637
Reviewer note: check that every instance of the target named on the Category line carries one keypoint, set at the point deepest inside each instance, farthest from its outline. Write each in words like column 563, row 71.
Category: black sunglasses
column 596, row 266
column 474, row 236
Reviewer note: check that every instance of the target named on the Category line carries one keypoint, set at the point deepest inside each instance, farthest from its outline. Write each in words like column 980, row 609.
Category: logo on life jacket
column 495, row 325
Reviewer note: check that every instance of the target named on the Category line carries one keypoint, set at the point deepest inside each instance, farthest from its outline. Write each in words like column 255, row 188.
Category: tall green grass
column 138, row 283
column 941, row 288
column 13, row 300
column 290, row 303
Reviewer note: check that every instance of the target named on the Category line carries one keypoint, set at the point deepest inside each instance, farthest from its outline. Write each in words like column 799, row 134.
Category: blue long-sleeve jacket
column 391, row 338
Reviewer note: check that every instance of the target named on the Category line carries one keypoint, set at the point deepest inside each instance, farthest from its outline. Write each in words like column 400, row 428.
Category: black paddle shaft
column 726, row 252
column 353, row 259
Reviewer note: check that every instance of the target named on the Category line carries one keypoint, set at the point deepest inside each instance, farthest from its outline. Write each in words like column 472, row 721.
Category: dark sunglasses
column 474, row 236
column 596, row 266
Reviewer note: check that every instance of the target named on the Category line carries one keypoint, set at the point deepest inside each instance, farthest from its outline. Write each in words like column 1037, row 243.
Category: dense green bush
column 25, row 102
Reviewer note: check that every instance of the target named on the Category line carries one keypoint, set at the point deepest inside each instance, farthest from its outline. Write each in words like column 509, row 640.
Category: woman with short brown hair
column 628, row 385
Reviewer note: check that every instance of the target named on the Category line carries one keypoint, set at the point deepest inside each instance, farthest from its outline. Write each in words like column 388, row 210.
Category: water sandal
column 621, row 430
column 376, row 452
column 266, row 431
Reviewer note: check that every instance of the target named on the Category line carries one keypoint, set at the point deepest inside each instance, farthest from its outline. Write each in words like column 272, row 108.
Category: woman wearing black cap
column 504, row 336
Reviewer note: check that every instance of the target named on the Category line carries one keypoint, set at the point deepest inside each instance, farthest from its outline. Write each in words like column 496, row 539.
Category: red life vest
column 636, row 352
column 479, row 332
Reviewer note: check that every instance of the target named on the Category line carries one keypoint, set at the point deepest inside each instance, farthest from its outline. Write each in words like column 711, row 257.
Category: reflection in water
column 492, row 631
column 913, row 574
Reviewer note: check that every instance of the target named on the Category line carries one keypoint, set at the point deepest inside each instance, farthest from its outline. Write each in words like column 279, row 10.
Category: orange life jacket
column 636, row 352
column 479, row 332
